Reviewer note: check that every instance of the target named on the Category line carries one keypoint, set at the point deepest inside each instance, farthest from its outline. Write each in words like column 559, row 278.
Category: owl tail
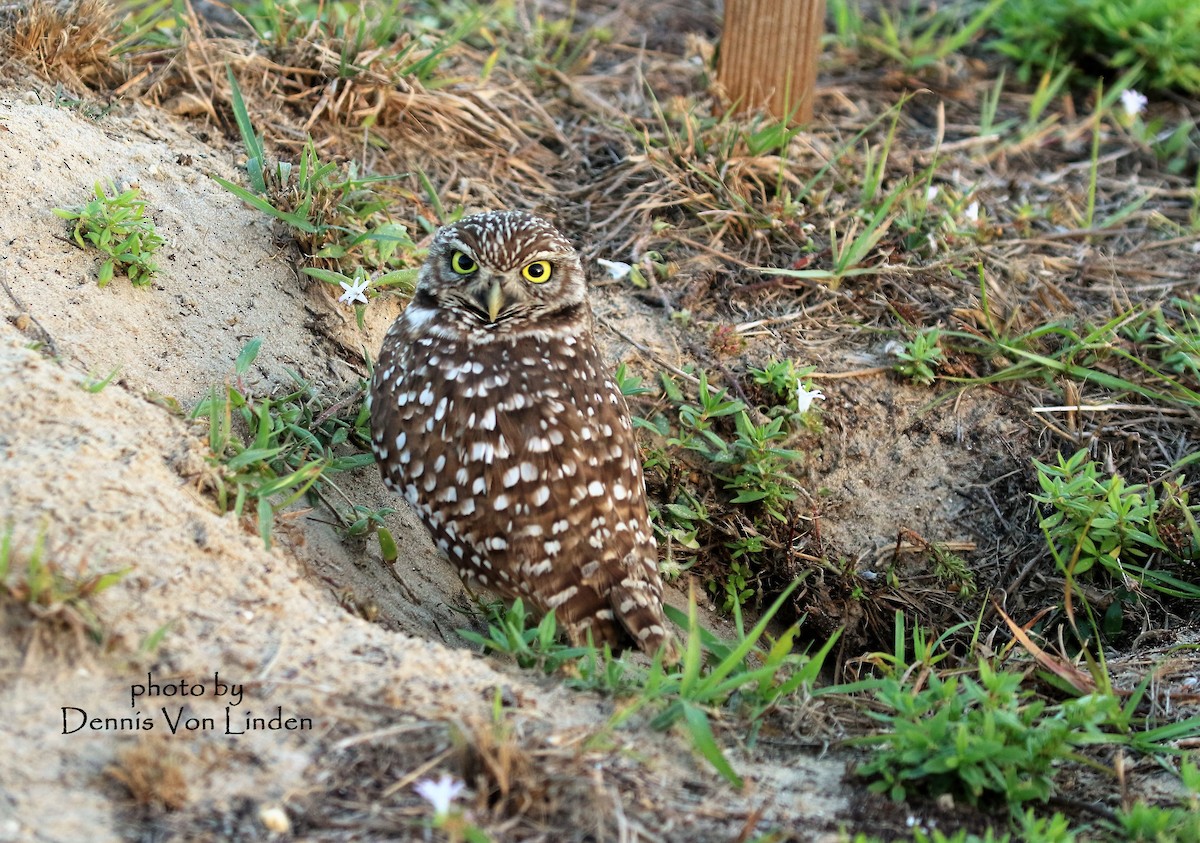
column 637, row 604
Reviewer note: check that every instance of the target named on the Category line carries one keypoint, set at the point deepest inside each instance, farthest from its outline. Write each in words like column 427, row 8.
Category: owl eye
column 462, row 263
column 537, row 272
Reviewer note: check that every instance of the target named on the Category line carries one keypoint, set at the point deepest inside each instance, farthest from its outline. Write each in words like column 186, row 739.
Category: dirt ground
column 362, row 665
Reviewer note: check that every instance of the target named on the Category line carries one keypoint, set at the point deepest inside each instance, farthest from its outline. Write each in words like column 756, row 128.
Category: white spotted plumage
column 492, row 413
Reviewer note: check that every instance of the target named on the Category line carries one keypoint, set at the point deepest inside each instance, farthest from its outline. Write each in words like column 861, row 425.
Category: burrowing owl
column 492, row 413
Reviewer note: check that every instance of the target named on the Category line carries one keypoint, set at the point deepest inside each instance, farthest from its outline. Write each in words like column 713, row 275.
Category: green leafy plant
column 792, row 390
column 677, row 525
column 1173, row 339
column 294, row 442
column 920, row 356
column 781, row 377
column 118, row 227
column 1103, row 521
column 1160, row 36
column 47, row 589
column 1144, row 823
column 341, row 222
column 919, row 37
column 747, row 458
column 510, row 633
column 974, row 738
column 953, row 570
column 1037, row 829
column 760, row 467
column 750, row 672
column 384, row 40
column 354, row 287
column 750, row 462
column 1080, row 353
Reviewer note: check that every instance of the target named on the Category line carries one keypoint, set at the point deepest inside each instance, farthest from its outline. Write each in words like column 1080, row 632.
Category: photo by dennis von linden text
column 176, row 717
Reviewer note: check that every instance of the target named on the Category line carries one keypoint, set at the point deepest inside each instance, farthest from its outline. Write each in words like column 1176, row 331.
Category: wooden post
column 769, row 55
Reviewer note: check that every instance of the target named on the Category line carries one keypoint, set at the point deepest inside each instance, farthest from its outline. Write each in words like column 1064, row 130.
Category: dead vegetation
column 70, row 41
column 153, row 773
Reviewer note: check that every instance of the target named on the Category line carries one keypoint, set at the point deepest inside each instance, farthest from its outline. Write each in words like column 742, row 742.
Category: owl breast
column 518, row 453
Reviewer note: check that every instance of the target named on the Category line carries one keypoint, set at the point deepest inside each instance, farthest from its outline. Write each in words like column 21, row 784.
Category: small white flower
column 931, row 193
column 805, row 397
column 440, row 794
column 1133, row 102
column 354, row 292
column 275, row 819
column 972, row 212
column 616, row 269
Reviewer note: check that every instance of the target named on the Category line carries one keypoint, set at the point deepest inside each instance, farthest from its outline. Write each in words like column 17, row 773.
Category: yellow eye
column 462, row 263
column 537, row 272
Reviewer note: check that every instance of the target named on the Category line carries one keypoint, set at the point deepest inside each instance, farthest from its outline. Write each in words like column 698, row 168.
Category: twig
column 649, row 353
column 1106, row 408
column 49, row 340
column 856, row 373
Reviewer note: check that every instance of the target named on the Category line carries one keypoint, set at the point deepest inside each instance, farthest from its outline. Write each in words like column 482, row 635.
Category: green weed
column 920, row 43
column 915, row 38
column 50, row 592
column 1103, row 521
column 741, row 673
column 1037, row 829
column 96, row 384
column 919, row 358
column 293, row 443
column 1161, row 36
column 1086, row 354
column 752, row 674
column 562, row 43
column 911, row 653
column 1144, row 823
column 118, row 227
column 952, row 570
column 750, row 461
column 974, row 738
column 678, row 525
column 509, row 633
column 1174, row 341
column 338, row 218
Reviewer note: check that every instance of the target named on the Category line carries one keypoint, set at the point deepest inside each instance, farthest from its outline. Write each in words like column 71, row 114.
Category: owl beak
column 495, row 300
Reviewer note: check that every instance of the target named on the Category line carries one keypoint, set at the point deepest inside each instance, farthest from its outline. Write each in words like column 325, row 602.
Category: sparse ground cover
column 919, row 389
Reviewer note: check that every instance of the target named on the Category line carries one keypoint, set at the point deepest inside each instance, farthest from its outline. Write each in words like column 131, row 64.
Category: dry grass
column 153, row 773
column 67, row 40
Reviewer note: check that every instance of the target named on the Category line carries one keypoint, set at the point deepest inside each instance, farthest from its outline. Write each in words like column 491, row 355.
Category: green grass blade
column 700, row 731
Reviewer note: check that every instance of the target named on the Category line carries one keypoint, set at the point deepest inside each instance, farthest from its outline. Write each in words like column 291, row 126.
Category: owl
column 493, row 415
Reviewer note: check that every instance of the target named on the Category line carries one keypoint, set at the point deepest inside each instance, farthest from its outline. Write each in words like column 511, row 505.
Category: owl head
column 498, row 270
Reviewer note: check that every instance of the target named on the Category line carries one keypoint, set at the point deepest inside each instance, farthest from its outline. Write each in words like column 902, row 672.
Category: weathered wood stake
column 769, row 55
